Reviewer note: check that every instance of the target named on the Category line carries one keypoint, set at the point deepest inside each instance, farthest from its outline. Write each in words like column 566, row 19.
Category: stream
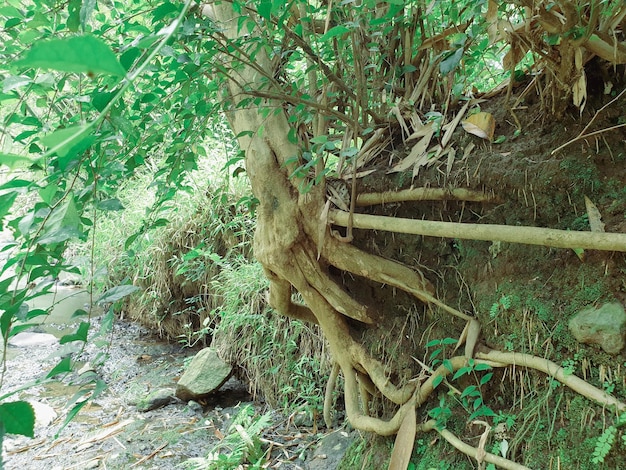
column 110, row 432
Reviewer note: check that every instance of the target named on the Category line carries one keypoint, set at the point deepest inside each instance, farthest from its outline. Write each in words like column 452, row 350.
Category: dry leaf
column 491, row 18
column 418, row 150
column 579, row 89
column 405, row 439
column 396, row 112
column 595, row 218
column 468, row 150
column 480, row 124
column 473, row 332
column 451, row 126
column 451, row 157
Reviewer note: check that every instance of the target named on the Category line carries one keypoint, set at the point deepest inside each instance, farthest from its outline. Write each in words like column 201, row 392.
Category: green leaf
column 65, row 365
column 265, row 9
column 334, row 32
column 13, row 161
column 73, row 21
column 6, row 202
column 437, row 380
column 116, row 293
column 18, row 417
column 80, row 335
column 86, row 54
column 486, row 378
column 63, row 224
column 71, row 139
column 469, row 391
column 451, row 62
column 113, row 204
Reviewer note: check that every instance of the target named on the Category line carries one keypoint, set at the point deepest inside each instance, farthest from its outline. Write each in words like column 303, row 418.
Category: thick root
column 497, row 358
column 476, row 453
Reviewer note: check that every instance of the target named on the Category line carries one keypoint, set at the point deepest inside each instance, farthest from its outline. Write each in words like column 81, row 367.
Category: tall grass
column 200, row 284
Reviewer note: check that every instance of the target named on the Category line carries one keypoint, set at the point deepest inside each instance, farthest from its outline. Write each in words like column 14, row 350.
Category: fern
column 604, row 444
column 241, row 445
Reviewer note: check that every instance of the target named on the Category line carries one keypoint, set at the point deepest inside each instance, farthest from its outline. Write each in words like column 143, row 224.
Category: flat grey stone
column 330, row 451
column 157, row 399
column 27, row 339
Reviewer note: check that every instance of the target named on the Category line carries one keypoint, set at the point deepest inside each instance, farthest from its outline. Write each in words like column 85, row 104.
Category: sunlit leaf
column 65, row 365
column 13, row 161
column 13, row 82
column 63, row 224
column 334, row 32
column 86, row 54
column 66, row 140
column 480, row 124
column 80, row 335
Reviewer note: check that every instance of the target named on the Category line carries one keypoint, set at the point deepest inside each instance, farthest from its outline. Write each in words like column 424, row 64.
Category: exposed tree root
column 487, row 232
column 501, row 359
column 424, row 194
column 328, row 396
column 476, row 453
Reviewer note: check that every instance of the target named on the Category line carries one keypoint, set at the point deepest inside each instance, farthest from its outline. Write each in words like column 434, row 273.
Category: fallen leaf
column 480, row 124
column 595, row 218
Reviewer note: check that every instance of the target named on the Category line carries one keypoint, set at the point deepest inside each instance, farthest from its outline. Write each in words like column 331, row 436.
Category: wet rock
column 195, row 407
column 205, row 374
column 330, row 451
column 44, row 413
column 27, row 339
column 157, row 399
column 604, row 326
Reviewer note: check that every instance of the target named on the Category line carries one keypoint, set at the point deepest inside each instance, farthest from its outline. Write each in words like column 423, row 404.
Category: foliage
column 283, row 359
column 242, row 444
column 76, row 128
column 605, row 441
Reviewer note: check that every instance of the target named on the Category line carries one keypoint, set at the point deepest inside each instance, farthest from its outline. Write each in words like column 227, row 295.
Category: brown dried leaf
column 579, row 90
column 396, row 112
column 480, row 124
column 595, row 218
column 405, row 439
column 451, row 157
column 451, row 126
column 491, row 18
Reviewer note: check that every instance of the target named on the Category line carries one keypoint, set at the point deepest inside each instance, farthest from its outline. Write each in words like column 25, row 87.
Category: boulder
column 205, row 374
column 604, row 326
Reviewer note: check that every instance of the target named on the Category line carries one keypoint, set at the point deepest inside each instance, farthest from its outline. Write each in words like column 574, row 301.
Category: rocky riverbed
column 111, row 433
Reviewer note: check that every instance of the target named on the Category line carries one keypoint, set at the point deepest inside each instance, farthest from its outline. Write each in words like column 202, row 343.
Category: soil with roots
column 523, row 295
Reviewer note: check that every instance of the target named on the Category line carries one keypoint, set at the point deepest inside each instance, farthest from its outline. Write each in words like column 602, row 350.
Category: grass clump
column 283, row 359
